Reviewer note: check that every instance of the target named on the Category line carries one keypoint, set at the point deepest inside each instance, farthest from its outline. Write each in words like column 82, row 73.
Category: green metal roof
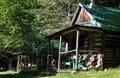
column 108, row 17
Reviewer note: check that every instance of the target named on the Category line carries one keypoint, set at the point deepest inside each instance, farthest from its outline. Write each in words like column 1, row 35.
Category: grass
column 28, row 73
column 111, row 73
column 7, row 72
column 34, row 73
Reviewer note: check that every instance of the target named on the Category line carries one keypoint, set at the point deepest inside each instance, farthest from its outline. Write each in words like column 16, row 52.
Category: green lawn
column 111, row 73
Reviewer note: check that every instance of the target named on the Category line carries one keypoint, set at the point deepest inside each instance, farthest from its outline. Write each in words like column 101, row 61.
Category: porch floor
column 66, row 70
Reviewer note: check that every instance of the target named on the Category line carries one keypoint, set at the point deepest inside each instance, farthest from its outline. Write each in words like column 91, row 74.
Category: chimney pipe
column 92, row 1
column 91, row 5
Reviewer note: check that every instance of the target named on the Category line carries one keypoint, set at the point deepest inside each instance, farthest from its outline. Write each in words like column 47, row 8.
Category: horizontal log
column 112, row 40
column 109, row 51
column 112, row 44
column 86, row 42
column 97, row 39
column 98, row 44
column 85, row 45
column 110, row 58
column 85, row 51
column 109, row 65
column 90, row 29
column 112, row 48
column 68, row 52
column 98, row 49
column 110, row 61
column 97, row 35
column 110, row 54
column 111, row 35
column 86, row 38
column 66, row 70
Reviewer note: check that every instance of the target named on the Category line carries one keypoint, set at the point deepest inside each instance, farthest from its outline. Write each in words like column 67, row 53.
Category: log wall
column 112, row 49
column 96, row 43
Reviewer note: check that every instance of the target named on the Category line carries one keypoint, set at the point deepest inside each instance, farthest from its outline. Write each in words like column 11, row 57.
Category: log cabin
column 91, row 41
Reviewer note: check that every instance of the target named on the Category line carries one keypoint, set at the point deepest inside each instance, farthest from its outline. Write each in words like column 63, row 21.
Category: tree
column 25, row 22
column 17, row 22
column 52, row 16
column 111, row 3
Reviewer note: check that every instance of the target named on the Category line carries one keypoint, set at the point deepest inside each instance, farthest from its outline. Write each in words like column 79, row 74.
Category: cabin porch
column 80, row 48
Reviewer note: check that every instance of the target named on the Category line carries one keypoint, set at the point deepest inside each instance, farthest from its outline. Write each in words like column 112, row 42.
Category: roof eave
column 74, row 28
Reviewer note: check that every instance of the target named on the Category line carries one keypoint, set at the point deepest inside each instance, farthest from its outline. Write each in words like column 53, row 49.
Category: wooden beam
column 97, row 35
column 66, row 47
column 18, row 63
column 86, row 51
column 66, row 70
column 113, row 36
column 68, row 32
column 59, row 56
column 112, row 44
column 98, row 44
column 68, row 52
column 98, row 39
column 51, row 52
column 10, row 63
column 21, row 58
column 48, row 54
column 75, row 16
column 91, row 29
column 103, row 49
column 77, row 48
column 81, row 51
column 112, row 40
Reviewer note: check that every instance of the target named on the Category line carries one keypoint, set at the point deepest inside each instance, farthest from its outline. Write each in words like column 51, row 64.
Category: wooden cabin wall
column 112, row 49
column 95, row 44
column 98, row 41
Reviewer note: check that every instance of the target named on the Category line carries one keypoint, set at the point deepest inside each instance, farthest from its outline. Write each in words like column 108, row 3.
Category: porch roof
column 71, row 29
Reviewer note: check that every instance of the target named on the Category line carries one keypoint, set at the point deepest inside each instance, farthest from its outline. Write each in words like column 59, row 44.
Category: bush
column 30, row 71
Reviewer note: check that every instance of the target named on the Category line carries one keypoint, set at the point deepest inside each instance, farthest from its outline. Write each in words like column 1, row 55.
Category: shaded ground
column 28, row 73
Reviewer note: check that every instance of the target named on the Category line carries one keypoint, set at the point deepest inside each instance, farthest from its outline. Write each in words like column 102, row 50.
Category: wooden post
column 51, row 48
column 103, row 49
column 10, row 63
column 48, row 54
column 18, row 62
column 21, row 58
column 66, row 47
column 59, row 56
column 77, row 48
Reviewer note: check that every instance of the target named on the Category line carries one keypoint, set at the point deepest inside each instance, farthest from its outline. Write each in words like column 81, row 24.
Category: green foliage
column 111, row 3
column 32, row 72
column 24, row 24
column 52, row 16
column 17, row 22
